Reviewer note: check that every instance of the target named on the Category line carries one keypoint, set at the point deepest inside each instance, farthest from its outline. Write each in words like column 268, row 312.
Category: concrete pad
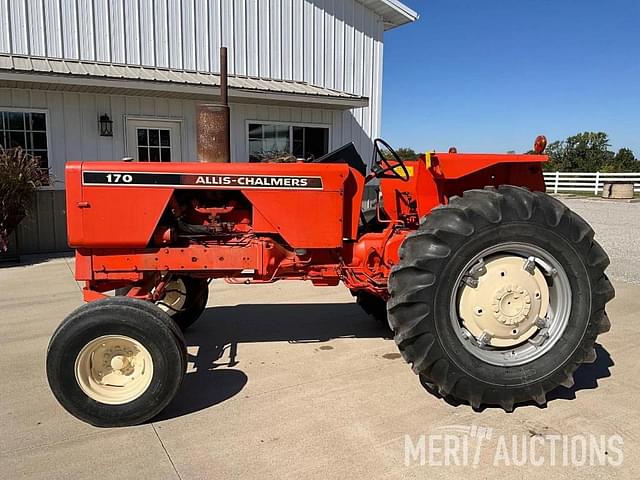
column 287, row 381
column 113, row 454
column 341, row 406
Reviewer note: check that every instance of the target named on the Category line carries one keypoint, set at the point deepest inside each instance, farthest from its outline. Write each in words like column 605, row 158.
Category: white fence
column 587, row 182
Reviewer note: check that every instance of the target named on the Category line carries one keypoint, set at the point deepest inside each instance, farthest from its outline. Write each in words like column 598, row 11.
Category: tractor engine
column 204, row 217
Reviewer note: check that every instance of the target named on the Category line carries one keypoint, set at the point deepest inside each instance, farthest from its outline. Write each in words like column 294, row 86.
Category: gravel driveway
column 617, row 227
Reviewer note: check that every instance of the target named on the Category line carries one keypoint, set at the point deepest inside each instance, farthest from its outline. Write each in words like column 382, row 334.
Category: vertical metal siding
column 215, row 35
column 297, row 46
column 69, row 16
column 5, row 27
column 132, row 31
column 349, row 52
column 329, row 53
column 175, row 34
column 339, row 48
column 286, row 37
column 240, row 39
column 275, row 40
column 264, row 49
column 308, row 37
column 102, row 32
column 227, row 38
column 161, row 27
column 147, row 33
column 117, row 32
column 188, row 35
column 86, row 35
column 19, row 26
column 317, row 77
column 53, row 28
column 35, row 14
column 202, row 32
column 330, row 43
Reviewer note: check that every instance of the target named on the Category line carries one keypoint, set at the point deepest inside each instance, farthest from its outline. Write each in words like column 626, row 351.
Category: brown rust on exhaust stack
column 213, row 122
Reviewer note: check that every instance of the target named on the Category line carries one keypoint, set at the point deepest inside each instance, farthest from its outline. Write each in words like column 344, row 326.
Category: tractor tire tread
column 414, row 280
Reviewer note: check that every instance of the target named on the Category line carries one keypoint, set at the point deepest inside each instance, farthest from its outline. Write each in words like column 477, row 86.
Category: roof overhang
column 393, row 12
column 94, row 77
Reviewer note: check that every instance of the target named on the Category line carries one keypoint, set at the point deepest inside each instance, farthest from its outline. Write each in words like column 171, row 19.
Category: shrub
column 20, row 176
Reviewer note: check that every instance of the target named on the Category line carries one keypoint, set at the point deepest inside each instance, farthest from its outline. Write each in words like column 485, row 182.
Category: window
column 154, row 144
column 27, row 130
column 300, row 141
column 151, row 139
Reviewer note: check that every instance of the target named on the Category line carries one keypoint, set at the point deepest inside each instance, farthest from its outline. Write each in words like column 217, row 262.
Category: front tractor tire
column 116, row 362
column 499, row 296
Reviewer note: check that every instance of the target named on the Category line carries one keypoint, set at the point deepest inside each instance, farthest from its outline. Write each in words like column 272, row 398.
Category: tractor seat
column 346, row 154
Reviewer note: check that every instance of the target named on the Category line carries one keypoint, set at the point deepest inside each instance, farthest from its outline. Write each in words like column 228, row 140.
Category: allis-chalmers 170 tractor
column 495, row 292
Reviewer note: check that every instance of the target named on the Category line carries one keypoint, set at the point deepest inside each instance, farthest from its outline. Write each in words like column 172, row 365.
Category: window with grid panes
column 27, row 130
column 154, row 144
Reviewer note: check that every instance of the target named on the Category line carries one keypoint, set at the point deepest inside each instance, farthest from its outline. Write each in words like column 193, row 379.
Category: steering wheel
column 382, row 165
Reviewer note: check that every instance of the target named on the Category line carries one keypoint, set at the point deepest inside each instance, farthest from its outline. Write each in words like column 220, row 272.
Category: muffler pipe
column 214, row 122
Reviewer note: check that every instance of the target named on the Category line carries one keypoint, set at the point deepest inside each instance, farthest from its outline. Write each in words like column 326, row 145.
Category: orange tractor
column 495, row 292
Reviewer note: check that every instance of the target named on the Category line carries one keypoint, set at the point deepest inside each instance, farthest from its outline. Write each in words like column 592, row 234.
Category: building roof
column 58, row 74
column 393, row 12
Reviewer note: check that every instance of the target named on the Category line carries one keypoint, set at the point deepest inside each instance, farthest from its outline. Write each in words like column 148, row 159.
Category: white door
column 150, row 140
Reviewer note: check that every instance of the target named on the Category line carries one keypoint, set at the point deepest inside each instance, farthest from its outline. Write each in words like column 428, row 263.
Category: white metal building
column 306, row 77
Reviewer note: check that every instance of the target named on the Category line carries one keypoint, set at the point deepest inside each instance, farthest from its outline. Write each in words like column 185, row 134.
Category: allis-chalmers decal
column 178, row 180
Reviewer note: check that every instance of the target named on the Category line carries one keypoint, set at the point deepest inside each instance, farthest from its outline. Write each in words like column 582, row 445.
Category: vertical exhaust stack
column 213, row 122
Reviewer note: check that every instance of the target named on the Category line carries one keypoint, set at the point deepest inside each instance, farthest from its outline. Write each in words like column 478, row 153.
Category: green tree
column 556, row 153
column 623, row 161
column 406, row 153
column 584, row 152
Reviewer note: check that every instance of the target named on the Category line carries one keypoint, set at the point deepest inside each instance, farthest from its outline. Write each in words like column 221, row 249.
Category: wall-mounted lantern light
column 106, row 126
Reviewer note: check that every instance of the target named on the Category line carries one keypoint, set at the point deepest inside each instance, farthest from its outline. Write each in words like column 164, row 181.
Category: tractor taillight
column 540, row 144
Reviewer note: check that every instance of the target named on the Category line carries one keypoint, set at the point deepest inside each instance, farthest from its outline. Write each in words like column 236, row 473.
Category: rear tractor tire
column 116, row 362
column 499, row 296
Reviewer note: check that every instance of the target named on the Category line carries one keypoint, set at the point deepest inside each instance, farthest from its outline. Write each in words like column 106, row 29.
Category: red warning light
column 540, row 144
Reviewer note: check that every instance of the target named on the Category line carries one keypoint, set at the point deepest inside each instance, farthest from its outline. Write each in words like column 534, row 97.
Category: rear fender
column 454, row 173
column 435, row 178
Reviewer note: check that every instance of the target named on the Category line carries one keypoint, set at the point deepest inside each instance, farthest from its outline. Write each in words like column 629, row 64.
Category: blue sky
column 490, row 75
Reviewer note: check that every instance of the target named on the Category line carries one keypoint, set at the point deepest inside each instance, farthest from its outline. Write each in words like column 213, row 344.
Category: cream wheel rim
column 175, row 297
column 114, row 369
column 511, row 304
column 506, row 302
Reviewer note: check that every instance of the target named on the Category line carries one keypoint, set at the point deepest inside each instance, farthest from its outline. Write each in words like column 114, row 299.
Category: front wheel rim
column 114, row 369
column 511, row 304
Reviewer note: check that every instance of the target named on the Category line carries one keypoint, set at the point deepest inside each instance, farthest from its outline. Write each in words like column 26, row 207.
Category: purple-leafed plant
column 20, row 176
